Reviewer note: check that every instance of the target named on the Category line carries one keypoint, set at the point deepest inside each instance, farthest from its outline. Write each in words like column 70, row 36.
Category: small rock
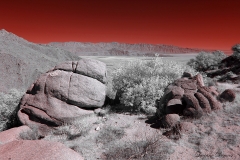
column 97, row 129
column 228, row 95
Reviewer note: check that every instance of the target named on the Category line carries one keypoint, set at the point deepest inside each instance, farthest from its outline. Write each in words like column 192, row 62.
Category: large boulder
column 70, row 90
column 37, row 149
column 13, row 134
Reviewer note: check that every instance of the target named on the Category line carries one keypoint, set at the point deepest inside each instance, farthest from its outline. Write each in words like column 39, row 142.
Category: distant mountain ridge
column 21, row 61
column 121, row 49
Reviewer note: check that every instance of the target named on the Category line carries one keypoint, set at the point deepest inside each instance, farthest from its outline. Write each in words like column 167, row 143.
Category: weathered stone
column 215, row 105
column 37, row 149
column 228, row 95
column 203, row 101
column 199, row 80
column 213, row 90
column 92, row 68
column 170, row 120
column 192, row 112
column 12, row 134
column 63, row 93
column 191, row 100
column 193, row 108
column 176, row 92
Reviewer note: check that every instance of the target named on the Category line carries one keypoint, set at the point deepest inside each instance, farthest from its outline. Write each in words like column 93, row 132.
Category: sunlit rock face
column 69, row 90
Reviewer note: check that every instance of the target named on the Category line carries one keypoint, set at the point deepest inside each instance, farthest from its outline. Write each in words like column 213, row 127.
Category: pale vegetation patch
column 205, row 61
column 139, row 83
column 8, row 108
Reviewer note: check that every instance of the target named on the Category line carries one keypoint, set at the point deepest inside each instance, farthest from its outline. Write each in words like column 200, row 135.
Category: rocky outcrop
column 188, row 96
column 37, row 149
column 69, row 90
column 229, row 68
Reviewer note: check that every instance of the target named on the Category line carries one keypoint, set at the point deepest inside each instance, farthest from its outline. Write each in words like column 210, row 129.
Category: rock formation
column 229, row 68
column 37, row 149
column 69, row 90
column 187, row 96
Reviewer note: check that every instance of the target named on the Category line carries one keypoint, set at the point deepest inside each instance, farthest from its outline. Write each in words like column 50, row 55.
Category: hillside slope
column 21, row 62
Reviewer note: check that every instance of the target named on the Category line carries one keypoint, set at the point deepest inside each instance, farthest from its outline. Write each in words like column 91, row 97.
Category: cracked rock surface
column 70, row 90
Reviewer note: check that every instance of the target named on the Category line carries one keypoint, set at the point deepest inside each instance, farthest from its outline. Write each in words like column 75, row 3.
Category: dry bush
column 230, row 138
column 149, row 148
column 205, row 61
column 72, row 130
column 139, row 83
column 8, row 109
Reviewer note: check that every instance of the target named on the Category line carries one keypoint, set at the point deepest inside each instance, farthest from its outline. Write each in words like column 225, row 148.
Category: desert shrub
column 150, row 148
column 236, row 51
column 109, row 134
column 139, row 83
column 205, row 61
column 8, row 108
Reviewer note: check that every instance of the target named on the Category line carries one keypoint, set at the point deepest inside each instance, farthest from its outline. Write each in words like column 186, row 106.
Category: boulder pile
column 67, row 91
column 188, row 96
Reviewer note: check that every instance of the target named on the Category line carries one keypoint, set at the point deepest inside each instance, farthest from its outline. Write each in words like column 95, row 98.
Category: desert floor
column 114, row 135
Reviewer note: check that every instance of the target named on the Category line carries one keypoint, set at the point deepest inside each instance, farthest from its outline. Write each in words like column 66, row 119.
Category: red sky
column 210, row 24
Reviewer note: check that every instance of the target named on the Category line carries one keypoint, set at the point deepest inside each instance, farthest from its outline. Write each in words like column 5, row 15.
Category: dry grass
column 109, row 134
column 149, row 148
column 30, row 134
